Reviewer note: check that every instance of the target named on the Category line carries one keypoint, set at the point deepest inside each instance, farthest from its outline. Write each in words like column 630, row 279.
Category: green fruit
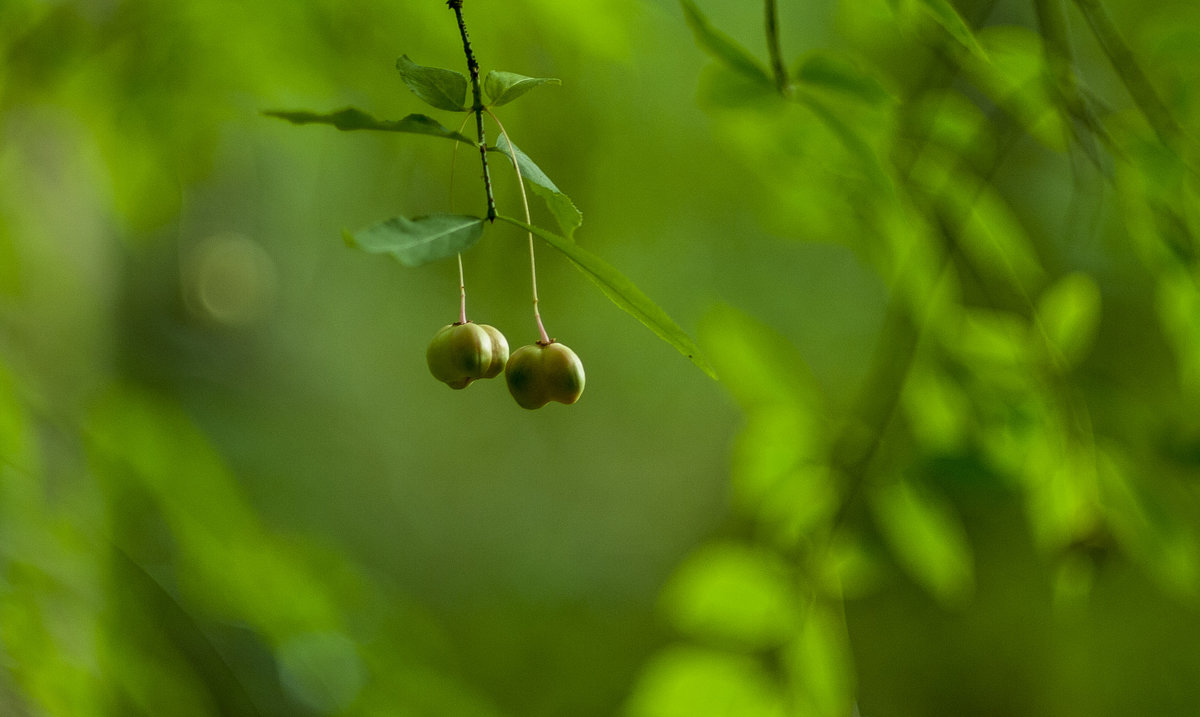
column 540, row 373
column 461, row 353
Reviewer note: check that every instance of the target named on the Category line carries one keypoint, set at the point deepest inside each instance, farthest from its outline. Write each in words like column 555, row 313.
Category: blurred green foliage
column 945, row 266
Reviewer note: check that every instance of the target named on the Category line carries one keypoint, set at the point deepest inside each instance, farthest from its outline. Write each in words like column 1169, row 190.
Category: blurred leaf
column 850, row 567
column 420, row 240
column 723, row 47
column 829, row 72
column 722, row 87
column 1068, row 315
column 622, row 292
column 734, row 594
column 989, row 339
column 560, row 205
column 937, row 408
column 927, row 539
column 1060, row 484
column 352, row 119
column 985, row 228
column 1177, row 305
column 955, row 123
column 697, row 682
column 1149, row 526
column 777, row 479
column 322, row 670
column 1016, row 78
column 821, row 665
column 944, row 14
column 444, row 89
column 758, row 365
column 848, row 134
column 504, row 87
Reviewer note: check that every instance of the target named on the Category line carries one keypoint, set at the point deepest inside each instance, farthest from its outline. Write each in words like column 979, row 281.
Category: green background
column 951, row 465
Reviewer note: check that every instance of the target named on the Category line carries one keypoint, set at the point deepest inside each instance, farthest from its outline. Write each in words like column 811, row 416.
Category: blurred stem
column 777, row 68
column 859, row 442
column 1053, row 24
column 476, row 105
column 512, row 151
column 1120, row 56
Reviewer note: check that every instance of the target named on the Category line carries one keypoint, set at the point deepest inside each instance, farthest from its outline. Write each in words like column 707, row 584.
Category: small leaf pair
column 447, row 89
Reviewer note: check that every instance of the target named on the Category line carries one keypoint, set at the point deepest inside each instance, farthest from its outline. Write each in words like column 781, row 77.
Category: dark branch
column 476, row 105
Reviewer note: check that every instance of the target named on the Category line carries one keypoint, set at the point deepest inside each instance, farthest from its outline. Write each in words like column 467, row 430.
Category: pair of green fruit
column 536, row 374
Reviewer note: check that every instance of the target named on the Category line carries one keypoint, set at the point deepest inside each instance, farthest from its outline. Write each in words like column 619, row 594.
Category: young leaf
column 691, row 681
column 565, row 213
column 944, row 14
column 736, row 593
column 504, row 87
column 352, row 118
column 622, row 292
column 420, row 240
column 723, row 47
column 1068, row 314
column 928, row 540
column 825, row 71
column 444, row 89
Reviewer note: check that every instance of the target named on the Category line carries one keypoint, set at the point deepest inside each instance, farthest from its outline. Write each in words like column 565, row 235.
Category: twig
column 1120, row 56
column 476, row 105
column 777, row 67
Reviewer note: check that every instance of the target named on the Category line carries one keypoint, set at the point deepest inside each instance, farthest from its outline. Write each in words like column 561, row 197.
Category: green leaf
column 825, row 71
column 444, row 89
column 421, row 240
column 820, row 663
column 1016, row 78
column 927, row 539
column 565, row 213
column 622, row 292
column 351, row 118
column 687, row 681
column 760, row 367
column 504, row 87
column 733, row 593
column 1068, row 313
column 723, row 47
column 849, row 136
column 944, row 14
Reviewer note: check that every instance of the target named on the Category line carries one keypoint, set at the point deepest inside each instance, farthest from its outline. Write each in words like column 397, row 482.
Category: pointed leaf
column 504, row 87
column 928, row 540
column 825, row 71
column 723, row 47
column 693, row 681
column 1068, row 314
column 622, row 292
column 820, row 663
column 733, row 593
column 420, row 240
column 351, row 118
column 944, row 14
column 444, row 89
column 565, row 213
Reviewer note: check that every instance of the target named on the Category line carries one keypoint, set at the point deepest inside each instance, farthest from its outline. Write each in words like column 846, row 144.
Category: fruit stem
column 476, row 105
column 512, row 152
column 462, row 293
column 462, row 282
